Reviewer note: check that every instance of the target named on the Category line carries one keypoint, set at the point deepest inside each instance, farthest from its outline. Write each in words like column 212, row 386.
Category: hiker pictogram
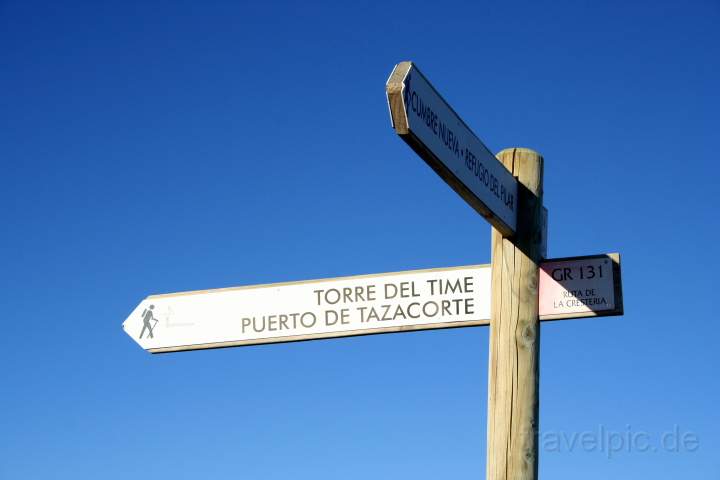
column 147, row 318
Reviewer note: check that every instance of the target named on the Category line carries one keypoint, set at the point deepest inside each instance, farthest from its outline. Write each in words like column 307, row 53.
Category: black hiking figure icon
column 147, row 317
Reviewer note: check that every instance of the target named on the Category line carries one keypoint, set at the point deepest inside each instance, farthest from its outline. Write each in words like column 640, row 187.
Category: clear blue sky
column 152, row 147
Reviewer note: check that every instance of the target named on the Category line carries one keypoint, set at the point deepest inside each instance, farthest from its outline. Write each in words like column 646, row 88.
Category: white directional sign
column 361, row 305
column 580, row 287
column 432, row 128
column 283, row 312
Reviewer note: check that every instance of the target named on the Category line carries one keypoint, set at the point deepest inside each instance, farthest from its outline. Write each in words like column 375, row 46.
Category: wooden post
column 515, row 330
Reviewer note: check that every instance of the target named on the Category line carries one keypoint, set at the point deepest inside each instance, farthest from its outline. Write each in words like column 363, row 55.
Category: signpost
column 512, row 295
column 577, row 287
column 336, row 307
column 331, row 308
column 432, row 128
column 509, row 193
column 513, row 373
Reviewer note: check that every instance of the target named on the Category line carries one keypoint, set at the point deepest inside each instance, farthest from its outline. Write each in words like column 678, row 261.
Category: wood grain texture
column 394, row 92
column 515, row 331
